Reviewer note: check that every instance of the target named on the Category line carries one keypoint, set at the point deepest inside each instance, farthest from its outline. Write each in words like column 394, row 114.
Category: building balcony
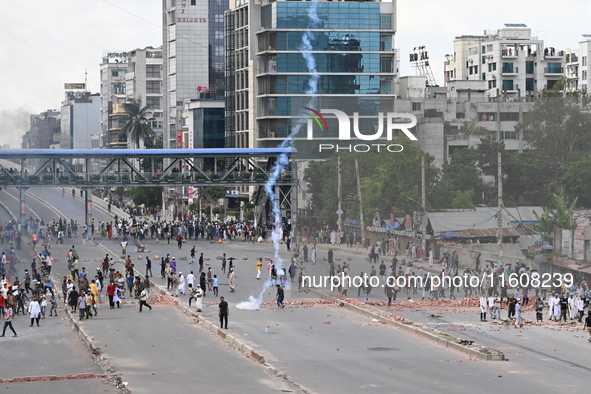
column 510, row 71
column 509, row 53
column 553, row 71
column 550, row 53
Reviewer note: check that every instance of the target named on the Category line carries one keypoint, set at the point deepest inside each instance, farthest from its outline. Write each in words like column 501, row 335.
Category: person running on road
column 144, row 299
column 280, row 295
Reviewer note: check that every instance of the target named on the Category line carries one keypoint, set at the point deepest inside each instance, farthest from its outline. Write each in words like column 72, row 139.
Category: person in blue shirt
column 49, row 284
column 215, row 285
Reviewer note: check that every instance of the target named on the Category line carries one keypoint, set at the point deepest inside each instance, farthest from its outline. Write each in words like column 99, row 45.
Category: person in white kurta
column 314, row 254
column 550, row 307
column 181, row 286
column 518, row 319
column 199, row 301
column 572, row 307
column 191, row 279
column 333, row 237
column 483, row 307
column 116, row 298
column 557, row 308
column 34, row 311
column 430, row 257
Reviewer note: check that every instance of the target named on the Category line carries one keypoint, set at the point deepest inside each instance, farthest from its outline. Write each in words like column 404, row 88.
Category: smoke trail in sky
column 283, row 161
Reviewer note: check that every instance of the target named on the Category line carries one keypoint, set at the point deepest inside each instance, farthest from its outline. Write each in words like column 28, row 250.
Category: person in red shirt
column 2, row 301
column 111, row 289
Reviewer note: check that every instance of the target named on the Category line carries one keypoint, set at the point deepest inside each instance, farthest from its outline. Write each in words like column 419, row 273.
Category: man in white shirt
column 491, row 305
column 191, row 279
column 483, row 307
column 48, row 263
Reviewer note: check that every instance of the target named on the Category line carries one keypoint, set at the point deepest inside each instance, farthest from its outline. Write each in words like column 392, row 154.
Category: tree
column 151, row 196
column 577, row 180
column 558, row 127
column 463, row 200
column 461, row 173
column 137, row 126
column 388, row 183
column 156, row 143
column 561, row 216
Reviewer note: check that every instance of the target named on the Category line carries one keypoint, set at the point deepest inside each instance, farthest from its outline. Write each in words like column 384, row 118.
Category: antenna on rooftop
column 419, row 60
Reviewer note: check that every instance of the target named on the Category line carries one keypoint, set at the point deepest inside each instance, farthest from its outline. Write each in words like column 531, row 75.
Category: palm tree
column 137, row 127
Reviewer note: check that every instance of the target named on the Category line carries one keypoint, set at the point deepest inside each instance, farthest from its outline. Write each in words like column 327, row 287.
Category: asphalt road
column 51, row 349
column 365, row 354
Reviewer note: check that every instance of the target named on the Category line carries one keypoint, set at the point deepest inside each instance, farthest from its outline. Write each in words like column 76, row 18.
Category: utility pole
column 360, row 202
column 499, row 214
column 340, row 211
column 423, row 205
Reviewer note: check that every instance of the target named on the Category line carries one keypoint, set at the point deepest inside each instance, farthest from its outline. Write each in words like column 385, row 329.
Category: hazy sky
column 44, row 44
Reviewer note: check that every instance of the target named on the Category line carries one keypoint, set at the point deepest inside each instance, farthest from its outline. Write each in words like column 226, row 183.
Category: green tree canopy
column 137, row 127
column 577, row 180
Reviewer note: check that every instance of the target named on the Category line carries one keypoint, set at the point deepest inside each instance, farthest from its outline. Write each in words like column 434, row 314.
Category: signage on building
column 186, row 140
column 579, row 242
column 179, row 139
column 408, row 221
column 203, row 89
column 74, row 86
column 567, row 241
column 191, row 20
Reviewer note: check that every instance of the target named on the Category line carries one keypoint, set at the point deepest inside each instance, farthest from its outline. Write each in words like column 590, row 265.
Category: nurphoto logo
column 345, row 130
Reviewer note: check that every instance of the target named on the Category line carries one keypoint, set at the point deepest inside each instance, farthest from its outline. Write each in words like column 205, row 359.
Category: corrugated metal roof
column 481, row 218
column 443, row 222
column 491, row 232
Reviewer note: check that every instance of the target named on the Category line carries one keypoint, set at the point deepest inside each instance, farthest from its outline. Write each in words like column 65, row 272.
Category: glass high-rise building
column 351, row 42
column 193, row 57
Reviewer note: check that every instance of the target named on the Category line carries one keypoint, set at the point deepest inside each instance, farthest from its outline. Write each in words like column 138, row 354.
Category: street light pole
column 360, row 203
column 340, row 211
column 500, row 205
column 424, row 218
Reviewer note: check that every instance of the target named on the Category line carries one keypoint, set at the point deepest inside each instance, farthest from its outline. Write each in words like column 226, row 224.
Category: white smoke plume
column 283, row 160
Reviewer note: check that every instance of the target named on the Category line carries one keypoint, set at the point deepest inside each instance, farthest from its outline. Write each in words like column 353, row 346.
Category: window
column 484, row 76
column 510, row 116
column 483, row 51
column 471, row 70
column 114, row 73
column 193, row 2
column 475, row 69
column 492, row 67
column 508, row 84
column 584, row 74
column 554, row 68
column 529, row 67
column 483, row 59
column 460, row 115
column 529, row 84
column 152, row 71
column 153, row 87
column 584, row 61
column 508, row 67
column 509, row 135
column 153, row 102
column 551, row 83
column 416, row 106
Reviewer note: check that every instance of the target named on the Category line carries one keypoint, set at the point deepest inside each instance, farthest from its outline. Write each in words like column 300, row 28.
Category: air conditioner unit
column 116, row 91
